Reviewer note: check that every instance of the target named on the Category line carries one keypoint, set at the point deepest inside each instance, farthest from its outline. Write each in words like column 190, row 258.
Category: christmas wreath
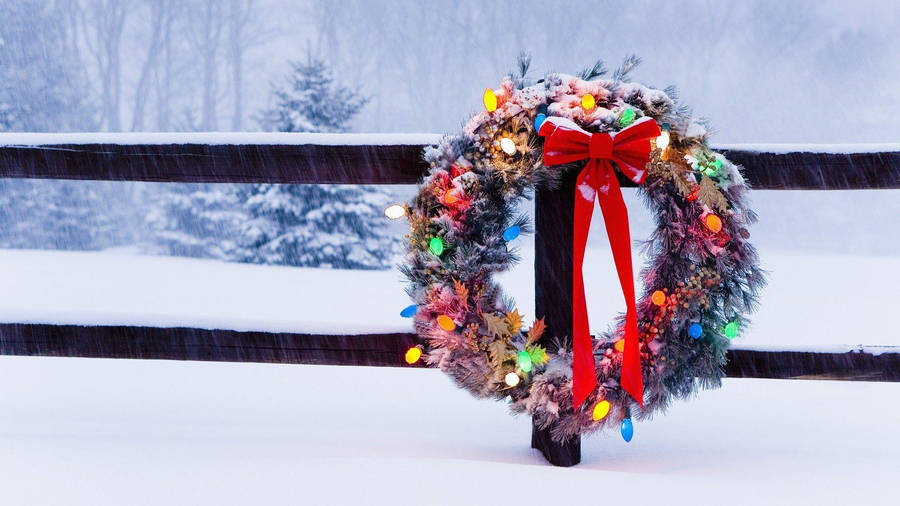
column 698, row 286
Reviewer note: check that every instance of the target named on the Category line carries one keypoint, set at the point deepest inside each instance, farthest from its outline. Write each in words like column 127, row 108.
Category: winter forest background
column 762, row 71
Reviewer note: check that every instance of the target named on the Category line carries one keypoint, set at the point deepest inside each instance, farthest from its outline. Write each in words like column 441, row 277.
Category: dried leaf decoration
column 682, row 184
column 514, row 322
column 536, row 331
column 462, row 293
column 496, row 325
column 711, row 196
column 499, row 353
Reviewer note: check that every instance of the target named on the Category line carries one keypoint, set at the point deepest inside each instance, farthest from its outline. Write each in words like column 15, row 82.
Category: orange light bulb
column 713, row 223
column 446, row 323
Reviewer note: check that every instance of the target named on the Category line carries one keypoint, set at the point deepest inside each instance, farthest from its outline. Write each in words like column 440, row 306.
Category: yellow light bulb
column 588, row 102
column 601, row 409
column 620, row 345
column 511, row 379
column 490, row 100
column 662, row 142
column 413, row 355
column 508, row 146
column 395, row 211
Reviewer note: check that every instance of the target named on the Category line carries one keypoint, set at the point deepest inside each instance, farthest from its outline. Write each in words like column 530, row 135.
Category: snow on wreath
column 699, row 284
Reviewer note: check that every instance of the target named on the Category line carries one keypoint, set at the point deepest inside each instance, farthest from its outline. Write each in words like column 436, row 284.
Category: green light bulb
column 524, row 361
column 731, row 330
column 436, row 245
column 627, row 117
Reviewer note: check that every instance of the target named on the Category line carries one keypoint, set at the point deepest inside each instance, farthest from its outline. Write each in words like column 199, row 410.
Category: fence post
column 553, row 220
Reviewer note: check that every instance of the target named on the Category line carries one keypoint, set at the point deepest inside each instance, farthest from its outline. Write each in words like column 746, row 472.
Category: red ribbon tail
column 615, row 216
column 584, row 374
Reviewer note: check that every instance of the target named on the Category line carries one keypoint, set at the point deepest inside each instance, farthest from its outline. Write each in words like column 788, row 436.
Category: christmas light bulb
column 449, row 197
column 588, row 102
column 731, row 330
column 511, row 233
column 446, row 323
column 695, row 330
column 662, row 142
column 601, row 409
column 658, row 298
column 395, row 211
column 436, row 245
column 508, row 146
column 524, row 361
column 627, row 117
column 409, row 311
column 490, row 100
column 413, row 355
column 627, row 430
column 713, row 223
column 511, row 379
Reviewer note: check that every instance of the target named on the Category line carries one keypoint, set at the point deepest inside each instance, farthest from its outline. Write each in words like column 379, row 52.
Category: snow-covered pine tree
column 196, row 220
column 338, row 226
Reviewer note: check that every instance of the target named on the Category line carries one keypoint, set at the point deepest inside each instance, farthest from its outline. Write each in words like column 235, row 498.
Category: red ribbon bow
column 630, row 150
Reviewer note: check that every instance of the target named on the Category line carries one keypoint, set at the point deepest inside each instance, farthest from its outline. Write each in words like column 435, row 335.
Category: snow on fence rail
column 390, row 159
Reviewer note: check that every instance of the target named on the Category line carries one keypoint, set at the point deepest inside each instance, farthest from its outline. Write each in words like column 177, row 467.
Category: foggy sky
column 761, row 71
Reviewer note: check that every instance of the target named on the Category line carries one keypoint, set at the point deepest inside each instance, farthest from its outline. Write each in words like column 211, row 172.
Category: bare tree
column 163, row 70
column 157, row 19
column 103, row 22
column 247, row 27
column 211, row 29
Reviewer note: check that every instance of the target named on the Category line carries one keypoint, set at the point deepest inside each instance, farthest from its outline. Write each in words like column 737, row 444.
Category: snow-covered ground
column 811, row 300
column 91, row 431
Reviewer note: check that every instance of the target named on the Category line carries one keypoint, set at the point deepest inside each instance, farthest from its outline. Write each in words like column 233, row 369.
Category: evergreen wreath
column 700, row 282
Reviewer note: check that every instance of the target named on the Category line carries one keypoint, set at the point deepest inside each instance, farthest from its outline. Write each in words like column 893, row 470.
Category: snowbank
column 811, row 300
column 97, row 432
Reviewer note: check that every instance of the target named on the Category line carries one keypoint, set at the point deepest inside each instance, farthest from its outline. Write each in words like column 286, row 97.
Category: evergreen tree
column 196, row 220
column 339, row 226
column 311, row 101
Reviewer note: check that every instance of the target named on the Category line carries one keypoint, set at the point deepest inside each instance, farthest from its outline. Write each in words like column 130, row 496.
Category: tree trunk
column 237, row 55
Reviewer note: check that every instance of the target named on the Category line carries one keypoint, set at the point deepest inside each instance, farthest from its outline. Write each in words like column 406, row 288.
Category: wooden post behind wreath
column 554, row 215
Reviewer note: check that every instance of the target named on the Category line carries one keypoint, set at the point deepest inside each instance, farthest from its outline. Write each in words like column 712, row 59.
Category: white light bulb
column 663, row 140
column 508, row 146
column 395, row 211
column 512, row 379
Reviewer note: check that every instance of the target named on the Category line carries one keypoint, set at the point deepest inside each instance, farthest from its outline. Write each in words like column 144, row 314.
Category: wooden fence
column 355, row 163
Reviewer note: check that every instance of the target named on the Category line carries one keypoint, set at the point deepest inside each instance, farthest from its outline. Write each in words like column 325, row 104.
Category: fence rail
column 378, row 164
column 299, row 158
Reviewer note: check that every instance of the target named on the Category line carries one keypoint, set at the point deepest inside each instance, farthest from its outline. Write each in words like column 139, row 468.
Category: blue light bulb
column 627, row 430
column 511, row 233
column 409, row 311
column 695, row 330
